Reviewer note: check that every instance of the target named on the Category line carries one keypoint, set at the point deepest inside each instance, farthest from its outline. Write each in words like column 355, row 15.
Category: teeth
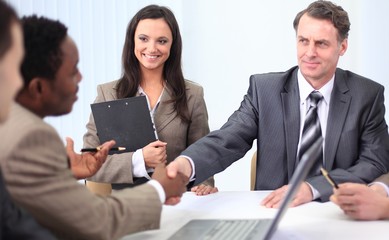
column 151, row 56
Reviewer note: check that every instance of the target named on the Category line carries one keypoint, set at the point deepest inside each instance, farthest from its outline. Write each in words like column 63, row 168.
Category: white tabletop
column 309, row 221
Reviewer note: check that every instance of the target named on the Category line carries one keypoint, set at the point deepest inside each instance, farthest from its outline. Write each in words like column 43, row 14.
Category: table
column 309, row 221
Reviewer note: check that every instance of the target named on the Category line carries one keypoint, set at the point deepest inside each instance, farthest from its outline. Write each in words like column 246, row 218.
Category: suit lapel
column 165, row 112
column 340, row 103
column 291, row 112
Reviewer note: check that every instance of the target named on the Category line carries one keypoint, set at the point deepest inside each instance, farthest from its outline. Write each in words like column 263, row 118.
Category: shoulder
column 356, row 82
column 271, row 76
column 24, row 121
column 273, row 80
column 193, row 88
column 28, row 133
column 108, row 85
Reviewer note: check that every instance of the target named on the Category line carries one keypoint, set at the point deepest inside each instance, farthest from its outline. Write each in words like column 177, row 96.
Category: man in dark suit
column 351, row 115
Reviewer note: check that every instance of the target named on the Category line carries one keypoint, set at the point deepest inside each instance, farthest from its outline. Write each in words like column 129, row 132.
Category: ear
column 35, row 87
column 343, row 47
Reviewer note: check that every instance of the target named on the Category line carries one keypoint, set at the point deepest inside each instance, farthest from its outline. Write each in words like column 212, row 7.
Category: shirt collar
column 305, row 88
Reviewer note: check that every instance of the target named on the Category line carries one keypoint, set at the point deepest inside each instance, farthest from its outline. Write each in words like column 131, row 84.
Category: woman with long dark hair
column 152, row 67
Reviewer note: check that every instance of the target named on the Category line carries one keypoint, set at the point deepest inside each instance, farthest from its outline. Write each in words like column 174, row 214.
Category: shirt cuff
column 192, row 177
column 138, row 165
column 315, row 193
column 159, row 188
column 382, row 185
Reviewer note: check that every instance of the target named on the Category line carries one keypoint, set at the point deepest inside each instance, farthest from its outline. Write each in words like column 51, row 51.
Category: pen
column 99, row 148
column 329, row 178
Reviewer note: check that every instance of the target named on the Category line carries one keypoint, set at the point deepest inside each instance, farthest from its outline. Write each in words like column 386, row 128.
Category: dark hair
column 172, row 72
column 42, row 42
column 329, row 11
column 7, row 17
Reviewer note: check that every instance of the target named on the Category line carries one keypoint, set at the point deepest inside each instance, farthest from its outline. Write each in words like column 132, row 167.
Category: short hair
column 42, row 42
column 328, row 11
column 7, row 17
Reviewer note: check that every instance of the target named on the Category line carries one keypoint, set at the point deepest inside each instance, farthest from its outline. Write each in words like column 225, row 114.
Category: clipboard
column 127, row 121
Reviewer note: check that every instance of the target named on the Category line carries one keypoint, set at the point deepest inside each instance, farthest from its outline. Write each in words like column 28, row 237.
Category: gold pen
column 96, row 149
column 329, row 178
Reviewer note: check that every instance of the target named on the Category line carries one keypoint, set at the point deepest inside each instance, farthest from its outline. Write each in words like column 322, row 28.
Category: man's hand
column 203, row 189
column 87, row 164
column 361, row 202
column 274, row 199
column 173, row 187
column 181, row 165
column 154, row 153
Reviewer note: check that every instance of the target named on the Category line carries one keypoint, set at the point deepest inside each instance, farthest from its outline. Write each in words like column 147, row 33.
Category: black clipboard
column 127, row 121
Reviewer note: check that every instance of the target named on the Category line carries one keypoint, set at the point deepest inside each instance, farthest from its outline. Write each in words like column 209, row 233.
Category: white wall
column 224, row 43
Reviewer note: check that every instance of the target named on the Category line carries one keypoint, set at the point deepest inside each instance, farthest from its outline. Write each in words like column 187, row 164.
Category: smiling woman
column 152, row 68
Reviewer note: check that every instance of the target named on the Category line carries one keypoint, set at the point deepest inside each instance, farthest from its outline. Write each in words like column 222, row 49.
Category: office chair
column 253, row 174
column 103, row 189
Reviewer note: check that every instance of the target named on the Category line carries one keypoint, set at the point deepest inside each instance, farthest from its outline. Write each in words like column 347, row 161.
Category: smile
column 151, row 56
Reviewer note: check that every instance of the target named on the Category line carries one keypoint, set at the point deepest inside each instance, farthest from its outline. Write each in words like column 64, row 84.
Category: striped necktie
column 312, row 131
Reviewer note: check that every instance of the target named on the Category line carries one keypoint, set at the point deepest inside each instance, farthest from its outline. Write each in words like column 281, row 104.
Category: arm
column 219, row 149
column 197, row 129
column 39, row 180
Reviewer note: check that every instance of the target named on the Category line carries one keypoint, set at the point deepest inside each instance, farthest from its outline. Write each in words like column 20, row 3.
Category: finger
column 108, row 144
column 267, row 199
column 157, row 144
column 194, row 189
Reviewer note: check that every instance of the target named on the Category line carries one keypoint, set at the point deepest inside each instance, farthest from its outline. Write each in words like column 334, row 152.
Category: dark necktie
column 312, row 131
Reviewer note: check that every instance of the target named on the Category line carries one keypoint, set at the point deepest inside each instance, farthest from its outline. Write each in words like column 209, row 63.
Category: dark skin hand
column 87, row 164
column 173, row 187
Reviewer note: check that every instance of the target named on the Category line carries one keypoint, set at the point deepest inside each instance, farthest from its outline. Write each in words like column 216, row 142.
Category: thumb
column 69, row 145
column 172, row 169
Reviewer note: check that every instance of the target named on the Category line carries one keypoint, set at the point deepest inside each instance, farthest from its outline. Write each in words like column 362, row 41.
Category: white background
column 224, row 41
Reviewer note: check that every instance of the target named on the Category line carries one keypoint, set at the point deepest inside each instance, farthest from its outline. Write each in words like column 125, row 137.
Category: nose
column 152, row 47
column 311, row 50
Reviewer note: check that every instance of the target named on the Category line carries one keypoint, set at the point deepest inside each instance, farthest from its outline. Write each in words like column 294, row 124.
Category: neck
column 151, row 79
column 30, row 104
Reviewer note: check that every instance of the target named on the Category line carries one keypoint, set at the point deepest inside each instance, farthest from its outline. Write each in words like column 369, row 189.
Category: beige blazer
column 170, row 128
column 37, row 174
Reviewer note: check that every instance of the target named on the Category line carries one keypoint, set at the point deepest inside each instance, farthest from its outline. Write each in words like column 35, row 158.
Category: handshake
column 173, row 185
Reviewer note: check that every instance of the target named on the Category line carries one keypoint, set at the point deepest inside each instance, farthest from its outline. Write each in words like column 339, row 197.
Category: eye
column 142, row 38
column 322, row 44
column 303, row 41
column 162, row 41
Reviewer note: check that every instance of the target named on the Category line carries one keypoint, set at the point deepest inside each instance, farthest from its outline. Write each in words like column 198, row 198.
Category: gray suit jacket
column 356, row 144
column 170, row 128
column 384, row 178
column 36, row 171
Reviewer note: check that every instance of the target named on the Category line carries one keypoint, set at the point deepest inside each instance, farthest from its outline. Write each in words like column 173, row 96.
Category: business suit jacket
column 169, row 126
column 384, row 179
column 356, row 144
column 37, row 174
column 15, row 223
